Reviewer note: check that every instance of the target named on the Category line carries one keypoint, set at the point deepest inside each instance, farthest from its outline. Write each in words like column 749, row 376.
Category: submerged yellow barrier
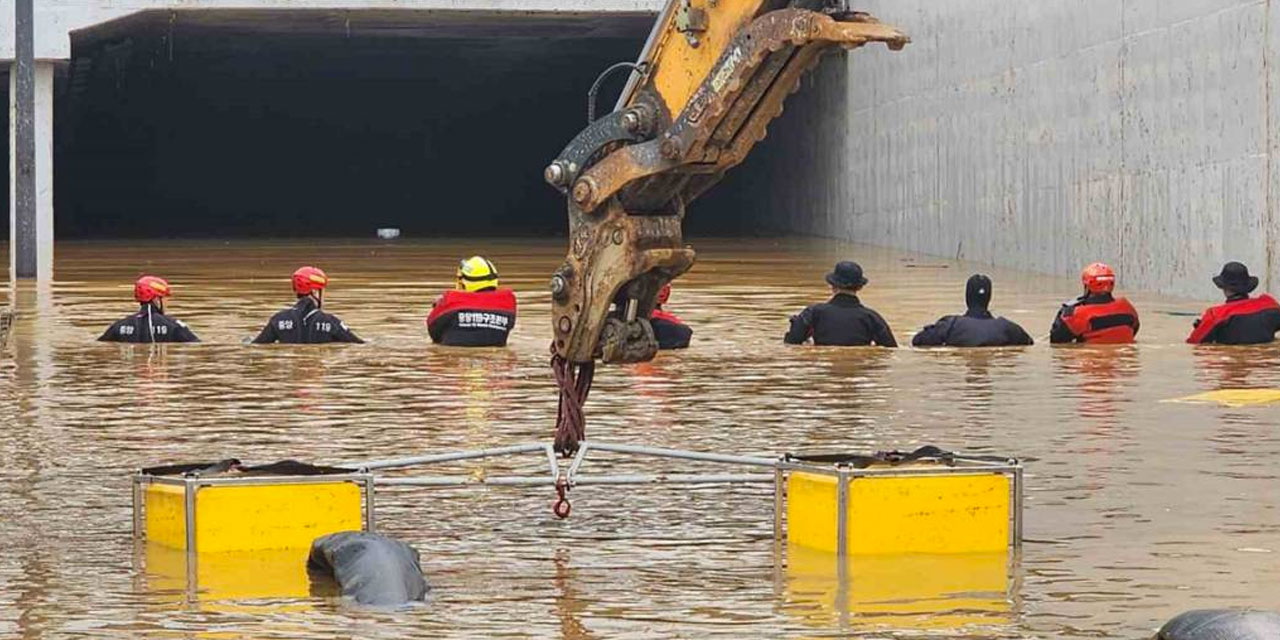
column 218, row 514
column 925, row 506
column 1233, row 398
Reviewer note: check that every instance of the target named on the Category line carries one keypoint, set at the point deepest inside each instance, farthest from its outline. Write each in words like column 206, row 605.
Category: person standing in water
column 304, row 322
column 477, row 313
column 1241, row 319
column 668, row 328
column 842, row 320
column 149, row 324
column 1096, row 316
column 977, row 327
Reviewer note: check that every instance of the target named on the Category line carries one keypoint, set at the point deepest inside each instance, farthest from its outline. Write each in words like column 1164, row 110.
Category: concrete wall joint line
column 1269, row 230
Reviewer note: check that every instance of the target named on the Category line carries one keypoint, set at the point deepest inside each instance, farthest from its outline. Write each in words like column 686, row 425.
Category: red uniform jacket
column 1098, row 319
column 473, row 318
column 1244, row 320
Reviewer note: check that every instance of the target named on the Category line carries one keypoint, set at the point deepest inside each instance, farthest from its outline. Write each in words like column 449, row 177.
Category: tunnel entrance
column 302, row 123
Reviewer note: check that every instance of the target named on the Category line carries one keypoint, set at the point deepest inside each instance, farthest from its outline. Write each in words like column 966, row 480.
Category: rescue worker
column 149, row 324
column 842, row 320
column 304, row 322
column 477, row 313
column 1241, row 319
column 1096, row 317
column 977, row 327
column 670, row 330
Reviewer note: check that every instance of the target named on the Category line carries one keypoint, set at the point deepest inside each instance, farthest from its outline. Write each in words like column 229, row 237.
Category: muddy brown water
column 1136, row 509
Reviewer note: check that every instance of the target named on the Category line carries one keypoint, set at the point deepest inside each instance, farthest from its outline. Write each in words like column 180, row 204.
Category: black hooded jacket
column 976, row 328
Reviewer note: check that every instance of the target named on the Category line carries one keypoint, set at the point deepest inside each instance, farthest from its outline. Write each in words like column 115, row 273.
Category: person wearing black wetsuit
column 842, row 320
column 1241, row 319
column 304, row 322
column 149, row 324
column 668, row 328
column 977, row 327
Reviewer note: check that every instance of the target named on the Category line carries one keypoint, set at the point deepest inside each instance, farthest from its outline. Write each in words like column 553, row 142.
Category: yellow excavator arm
column 712, row 75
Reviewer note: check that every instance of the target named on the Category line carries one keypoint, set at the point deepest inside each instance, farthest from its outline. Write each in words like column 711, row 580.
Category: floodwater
column 1137, row 508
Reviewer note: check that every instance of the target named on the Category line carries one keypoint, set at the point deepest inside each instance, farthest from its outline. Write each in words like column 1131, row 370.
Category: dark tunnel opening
column 320, row 123
column 304, row 124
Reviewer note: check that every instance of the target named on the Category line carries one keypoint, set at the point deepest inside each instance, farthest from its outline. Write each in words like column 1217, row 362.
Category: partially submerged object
column 1233, row 398
column 226, row 506
column 1222, row 624
column 371, row 569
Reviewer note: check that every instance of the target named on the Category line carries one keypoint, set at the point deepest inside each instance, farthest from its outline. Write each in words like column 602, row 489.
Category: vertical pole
column 137, row 506
column 370, row 522
column 193, row 569
column 779, row 487
column 842, row 548
column 43, row 170
column 22, row 145
column 842, row 513
column 1017, row 505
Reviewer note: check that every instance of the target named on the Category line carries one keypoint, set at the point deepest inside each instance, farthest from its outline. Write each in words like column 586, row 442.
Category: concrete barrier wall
column 1045, row 135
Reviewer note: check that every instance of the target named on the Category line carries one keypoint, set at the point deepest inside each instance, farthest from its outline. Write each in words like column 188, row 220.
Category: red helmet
column 1098, row 278
column 308, row 279
column 664, row 293
column 148, row 288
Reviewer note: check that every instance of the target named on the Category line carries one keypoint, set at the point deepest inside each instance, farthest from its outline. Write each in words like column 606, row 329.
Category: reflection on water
column 1136, row 508
column 905, row 595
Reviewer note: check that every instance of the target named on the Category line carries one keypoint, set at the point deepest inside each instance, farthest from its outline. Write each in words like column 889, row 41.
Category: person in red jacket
column 1241, row 319
column 476, row 313
column 670, row 330
column 1097, row 316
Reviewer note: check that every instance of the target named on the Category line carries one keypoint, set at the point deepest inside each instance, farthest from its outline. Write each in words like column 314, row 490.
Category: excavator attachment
column 712, row 76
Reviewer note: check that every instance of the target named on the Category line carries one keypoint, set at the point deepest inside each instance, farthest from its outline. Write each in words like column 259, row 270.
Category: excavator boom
column 712, row 75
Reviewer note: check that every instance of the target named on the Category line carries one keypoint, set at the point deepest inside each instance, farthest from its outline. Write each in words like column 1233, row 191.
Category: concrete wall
column 1045, row 135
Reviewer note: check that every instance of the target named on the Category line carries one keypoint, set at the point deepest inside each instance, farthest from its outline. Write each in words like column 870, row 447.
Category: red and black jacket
column 670, row 330
column 473, row 318
column 1096, row 318
column 1240, row 320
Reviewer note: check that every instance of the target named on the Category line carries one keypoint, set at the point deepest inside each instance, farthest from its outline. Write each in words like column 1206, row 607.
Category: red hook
column 562, row 506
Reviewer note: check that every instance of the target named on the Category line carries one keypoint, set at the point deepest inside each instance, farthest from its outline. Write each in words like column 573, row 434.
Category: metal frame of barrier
column 564, row 476
column 192, row 484
column 571, row 474
column 958, row 465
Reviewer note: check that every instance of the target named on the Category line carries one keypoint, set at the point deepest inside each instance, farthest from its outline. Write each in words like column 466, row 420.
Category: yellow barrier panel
column 245, row 517
column 917, row 592
column 962, row 512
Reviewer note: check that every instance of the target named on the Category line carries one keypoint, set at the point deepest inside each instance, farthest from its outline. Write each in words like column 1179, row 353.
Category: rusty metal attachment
column 629, row 176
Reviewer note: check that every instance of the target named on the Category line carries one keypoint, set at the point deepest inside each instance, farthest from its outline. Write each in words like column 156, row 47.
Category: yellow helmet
column 476, row 273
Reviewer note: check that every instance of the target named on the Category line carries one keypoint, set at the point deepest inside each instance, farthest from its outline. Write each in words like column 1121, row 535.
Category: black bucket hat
column 846, row 275
column 1235, row 276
